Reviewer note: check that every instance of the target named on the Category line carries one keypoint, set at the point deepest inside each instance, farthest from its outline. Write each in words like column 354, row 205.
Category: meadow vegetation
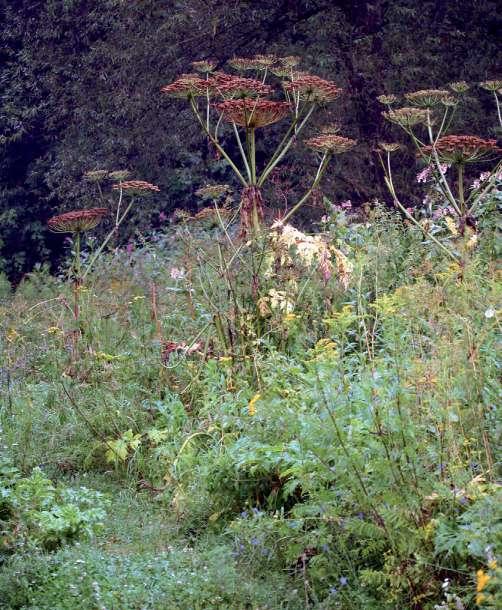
column 236, row 413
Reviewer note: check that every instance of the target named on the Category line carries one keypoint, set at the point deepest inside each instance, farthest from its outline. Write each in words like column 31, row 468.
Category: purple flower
column 344, row 581
column 333, row 590
column 254, row 541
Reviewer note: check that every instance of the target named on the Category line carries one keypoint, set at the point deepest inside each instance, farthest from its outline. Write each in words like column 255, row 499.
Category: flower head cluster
column 136, row 187
column 187, row 85
column 426, row 98
column 212, row 191
column 331, row 128
column 491, row 85
column 96, row 175
column 204, row 65
column 459, row 86
column 389, row 146
column 407, row 117
column 387, row 99
column 258, row 62
column 77, row 221
column 229, row 85
column 253, row 113
column 428, row 172
column 330, row 143
column 462, row 149
column 312, row 88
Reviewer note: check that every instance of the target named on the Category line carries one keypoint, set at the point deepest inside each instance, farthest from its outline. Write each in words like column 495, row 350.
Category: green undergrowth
column 318, row 438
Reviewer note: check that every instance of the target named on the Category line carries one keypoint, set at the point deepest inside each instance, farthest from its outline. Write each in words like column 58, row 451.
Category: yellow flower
column 138, row 297
column 289, row 317
column 492, row 564
column 12, row 335
column 54, row 330
column 225, row 359
column 252, row 403
column 482, row 580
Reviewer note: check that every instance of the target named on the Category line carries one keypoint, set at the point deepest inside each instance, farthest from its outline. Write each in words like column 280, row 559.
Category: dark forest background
column 80, row 90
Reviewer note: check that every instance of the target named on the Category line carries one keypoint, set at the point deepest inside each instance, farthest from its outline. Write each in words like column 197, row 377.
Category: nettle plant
column 430, row 112
column 251, row 104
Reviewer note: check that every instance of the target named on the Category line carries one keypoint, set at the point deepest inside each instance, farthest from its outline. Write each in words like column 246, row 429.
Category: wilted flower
column 136, row 187
column 330, row 143
column 253, row 113
column 406, row 117
column 77, row 221
column 449, row 101
column 388, row 100
column 459, row 86
column 258, row 62
column 204, row 65
column 313, row 88
column 491, row 85
column 426, row 98
column 462, row 149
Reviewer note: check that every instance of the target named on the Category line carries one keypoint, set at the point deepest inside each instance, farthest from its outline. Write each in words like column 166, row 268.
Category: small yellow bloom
column 479, row 599
column 452, row 226
column 12, row 335
column 225, row 359
column 138, row 298
column 289, row 317
column 482, row 580
column 252, row 403
column 54, row 330
column 492, row 564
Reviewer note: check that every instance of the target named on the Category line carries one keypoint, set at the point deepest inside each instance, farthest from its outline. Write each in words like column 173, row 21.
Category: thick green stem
column 243, row 154
column 252, row 153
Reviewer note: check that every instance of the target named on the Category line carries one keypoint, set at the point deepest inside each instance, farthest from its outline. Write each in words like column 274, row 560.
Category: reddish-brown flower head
column 312, row 88
column 330, row 143
column 230, row 86
column 136, row 187
column 77, row 221
column 462, row 149
column 253, row 113
column 187, row 85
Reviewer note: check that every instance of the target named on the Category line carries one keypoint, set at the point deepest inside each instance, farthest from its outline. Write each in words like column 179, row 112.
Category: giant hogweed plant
column 261, row 273
column 250, row 104
column 426, row 120
column 79, row 222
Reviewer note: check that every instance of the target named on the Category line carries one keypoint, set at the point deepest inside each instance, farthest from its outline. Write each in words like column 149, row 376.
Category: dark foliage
column 80, row 90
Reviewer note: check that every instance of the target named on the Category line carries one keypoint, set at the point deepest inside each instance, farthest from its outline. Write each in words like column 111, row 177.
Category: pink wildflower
column 177, row 274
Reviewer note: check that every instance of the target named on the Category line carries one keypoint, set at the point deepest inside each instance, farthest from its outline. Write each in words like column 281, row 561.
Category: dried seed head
column 459, row 86
column 491, row 85
column 119, row 175
column 427, row 98
column 253, row 113
column 312, row 88
column 462, row 149
column 330, row 143
column 77, row 221
column 449, row 101
column 406, row 117
column 212, row 191
column 290, row 61
column 389, row 146
column 136, row 187
column 258, row 62
column 204, row 65
column 97, row 175
column 388, row 100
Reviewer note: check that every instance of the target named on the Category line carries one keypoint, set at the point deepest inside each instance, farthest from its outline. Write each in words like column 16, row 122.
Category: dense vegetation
column 278, row 398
